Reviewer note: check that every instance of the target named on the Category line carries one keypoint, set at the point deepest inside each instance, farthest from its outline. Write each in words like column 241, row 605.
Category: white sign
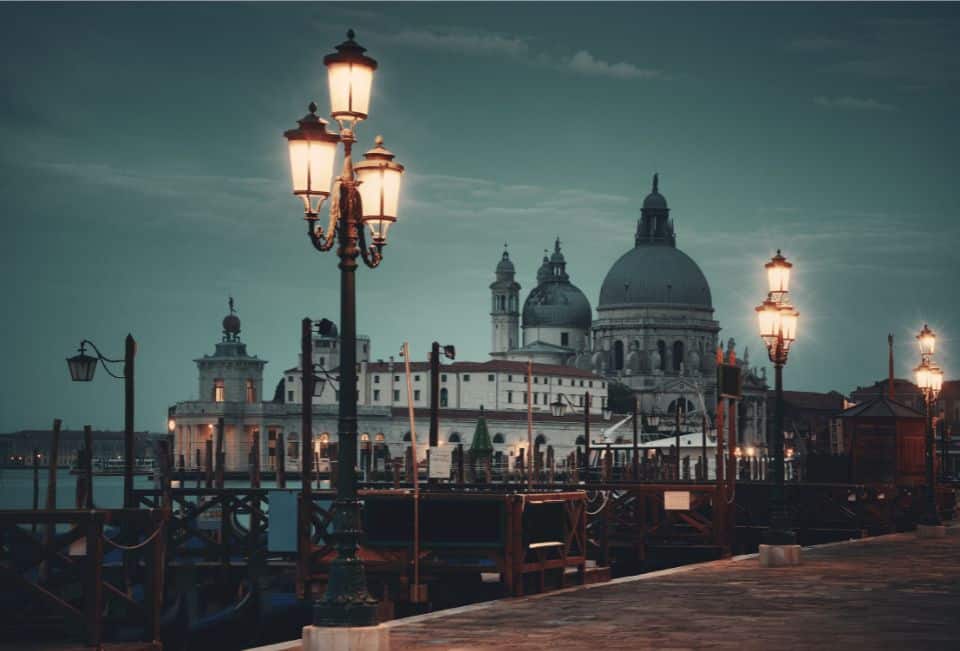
column 676, row 500
column 440, row 461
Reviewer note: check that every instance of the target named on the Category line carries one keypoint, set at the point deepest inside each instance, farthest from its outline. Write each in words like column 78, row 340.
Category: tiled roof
column 832, row 401
column 881, row 408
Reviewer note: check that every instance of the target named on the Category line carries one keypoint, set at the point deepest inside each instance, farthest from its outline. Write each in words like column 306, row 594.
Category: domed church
column 654, row 331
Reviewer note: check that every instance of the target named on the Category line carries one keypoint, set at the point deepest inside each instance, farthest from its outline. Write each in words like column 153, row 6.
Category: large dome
column 557, row 304
column 654, row 274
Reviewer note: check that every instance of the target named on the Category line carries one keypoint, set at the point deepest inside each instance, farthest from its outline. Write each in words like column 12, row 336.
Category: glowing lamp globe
column 923, row 377
column 350, row 76
column 778, row 273
column 379, row 176
column 927, row 339
column 312, row 152
column 768, row 320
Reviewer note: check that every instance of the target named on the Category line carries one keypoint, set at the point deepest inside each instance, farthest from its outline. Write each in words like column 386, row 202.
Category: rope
column 132, row 548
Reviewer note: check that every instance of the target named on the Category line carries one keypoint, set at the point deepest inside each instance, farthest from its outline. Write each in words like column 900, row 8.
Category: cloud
column 479, row 43
column 849, row 103
column 585, row 63
column 475, row 43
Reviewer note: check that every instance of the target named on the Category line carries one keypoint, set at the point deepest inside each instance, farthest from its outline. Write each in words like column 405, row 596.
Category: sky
column 145, row 179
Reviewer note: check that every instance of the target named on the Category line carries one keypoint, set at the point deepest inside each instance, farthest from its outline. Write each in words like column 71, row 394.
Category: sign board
column 729, row 382
column 323, row 464
column 440, row 461
column 676, row 500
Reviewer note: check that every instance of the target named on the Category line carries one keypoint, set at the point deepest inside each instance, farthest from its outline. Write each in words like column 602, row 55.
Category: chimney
column 890, row 365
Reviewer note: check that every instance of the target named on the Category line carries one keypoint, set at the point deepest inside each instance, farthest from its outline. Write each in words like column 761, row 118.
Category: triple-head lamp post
column 366, row 195
column 929, row 379
column 777, row 319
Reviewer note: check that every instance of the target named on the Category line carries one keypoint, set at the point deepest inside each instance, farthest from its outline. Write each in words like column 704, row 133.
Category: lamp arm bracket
column 320, row 241
column 373, row 254
column 103, row 359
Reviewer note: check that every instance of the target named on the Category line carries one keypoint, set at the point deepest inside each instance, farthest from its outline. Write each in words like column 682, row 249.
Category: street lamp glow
column 171, row 425
column 82, row 366
column 778, row 273
column 927, row 339
column 768, row 319
column 922, row 376
column 350, row 77
column 379, row 185
column 312, row 151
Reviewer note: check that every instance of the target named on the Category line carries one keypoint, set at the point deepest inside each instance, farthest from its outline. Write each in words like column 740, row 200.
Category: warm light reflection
column 350, row 84
column 379, row 177
column 171, row 424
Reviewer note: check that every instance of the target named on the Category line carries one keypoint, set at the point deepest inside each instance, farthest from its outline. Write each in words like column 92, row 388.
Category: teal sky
column 144, row 175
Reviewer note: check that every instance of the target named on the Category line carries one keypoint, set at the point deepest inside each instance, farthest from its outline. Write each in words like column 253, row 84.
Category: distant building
column 17, row 448
column 807, row 419
column 904, row 391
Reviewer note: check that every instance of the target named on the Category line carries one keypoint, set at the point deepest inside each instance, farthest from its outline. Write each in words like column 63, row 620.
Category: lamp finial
column 656, row 182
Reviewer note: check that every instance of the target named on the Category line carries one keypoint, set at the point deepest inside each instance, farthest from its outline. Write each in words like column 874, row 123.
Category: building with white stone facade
column 231, row 383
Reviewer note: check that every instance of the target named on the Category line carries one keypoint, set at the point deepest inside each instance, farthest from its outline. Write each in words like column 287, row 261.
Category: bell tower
column 505, row 307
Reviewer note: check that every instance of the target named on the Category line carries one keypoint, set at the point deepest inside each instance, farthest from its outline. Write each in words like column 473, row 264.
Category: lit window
column 251, row 392
column 219, row 393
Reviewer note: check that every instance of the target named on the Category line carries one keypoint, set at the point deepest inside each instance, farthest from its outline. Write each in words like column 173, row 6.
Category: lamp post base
column 931, row 531
column 779, row 555
column 346, row 638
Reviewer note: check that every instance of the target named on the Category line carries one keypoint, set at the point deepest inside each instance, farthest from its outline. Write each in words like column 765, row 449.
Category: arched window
column 498, row 438
column 407, row 438
column 379, row 438
column 662, row 350
column 618, row 355
column 581, row 440
column 454, row 438
column 444, row 397
column 677, row 355
column 365, row 438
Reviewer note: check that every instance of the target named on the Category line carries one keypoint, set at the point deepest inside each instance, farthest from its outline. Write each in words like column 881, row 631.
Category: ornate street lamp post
column 778, row 328
column 82, row 368
column 929, row 379
column 366, row 196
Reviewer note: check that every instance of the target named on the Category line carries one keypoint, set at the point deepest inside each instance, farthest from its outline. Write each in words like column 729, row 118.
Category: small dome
column 557, row 304
column 231, row 324
column 655, row 200
column 505, row 266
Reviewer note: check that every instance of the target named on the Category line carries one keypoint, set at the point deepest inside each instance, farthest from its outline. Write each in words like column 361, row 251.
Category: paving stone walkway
column 892, row 592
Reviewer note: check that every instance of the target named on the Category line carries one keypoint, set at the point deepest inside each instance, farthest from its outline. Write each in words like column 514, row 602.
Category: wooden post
column 52, row 463
column 167, row 500
column 36, row 484
column 220, row 458
column 460, row 469
column 281, row 461
column 156, row 573
column 255, row 465
column 88, row 465
column 586, row 436
column 198, row 464
column 208, row 444
column 93, row 585
column 530, row 421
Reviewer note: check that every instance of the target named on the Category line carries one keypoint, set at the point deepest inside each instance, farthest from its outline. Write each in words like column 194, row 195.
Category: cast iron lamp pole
column 82, row 367
column 930, row 380
column 778, row 328
column 366, row 195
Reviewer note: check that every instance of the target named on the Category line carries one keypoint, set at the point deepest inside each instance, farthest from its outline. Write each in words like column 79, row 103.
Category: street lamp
column 364, row 197
column 82, row 368
column 777, row 320
column 556, row 407
column 929, row 379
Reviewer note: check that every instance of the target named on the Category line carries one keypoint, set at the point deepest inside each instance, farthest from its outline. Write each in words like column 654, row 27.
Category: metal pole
column 586, row 436
column 932, row 516
column 88, row 465
column 347, row 601
column 779, row 532
column 676, row 425
column 129, row 352
column 703, row 446
column 306, row 447
column 434, row 394
column 529, row 465
column 415, row 595
column 636, row 447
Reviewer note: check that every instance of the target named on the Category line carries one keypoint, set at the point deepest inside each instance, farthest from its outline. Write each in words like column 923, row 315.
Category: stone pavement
column 890, row 592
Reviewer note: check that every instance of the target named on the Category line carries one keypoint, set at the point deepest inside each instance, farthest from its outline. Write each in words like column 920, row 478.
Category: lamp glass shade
column 788, row 323
column 922, row 377
column 768, row 320
column 82, row 367
column 778, row 274
column 350, row 83
column 928, row 340
column 936, row 379
column 653, row 420
column 312, row 150
column 556, row 408
column 379, row 186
